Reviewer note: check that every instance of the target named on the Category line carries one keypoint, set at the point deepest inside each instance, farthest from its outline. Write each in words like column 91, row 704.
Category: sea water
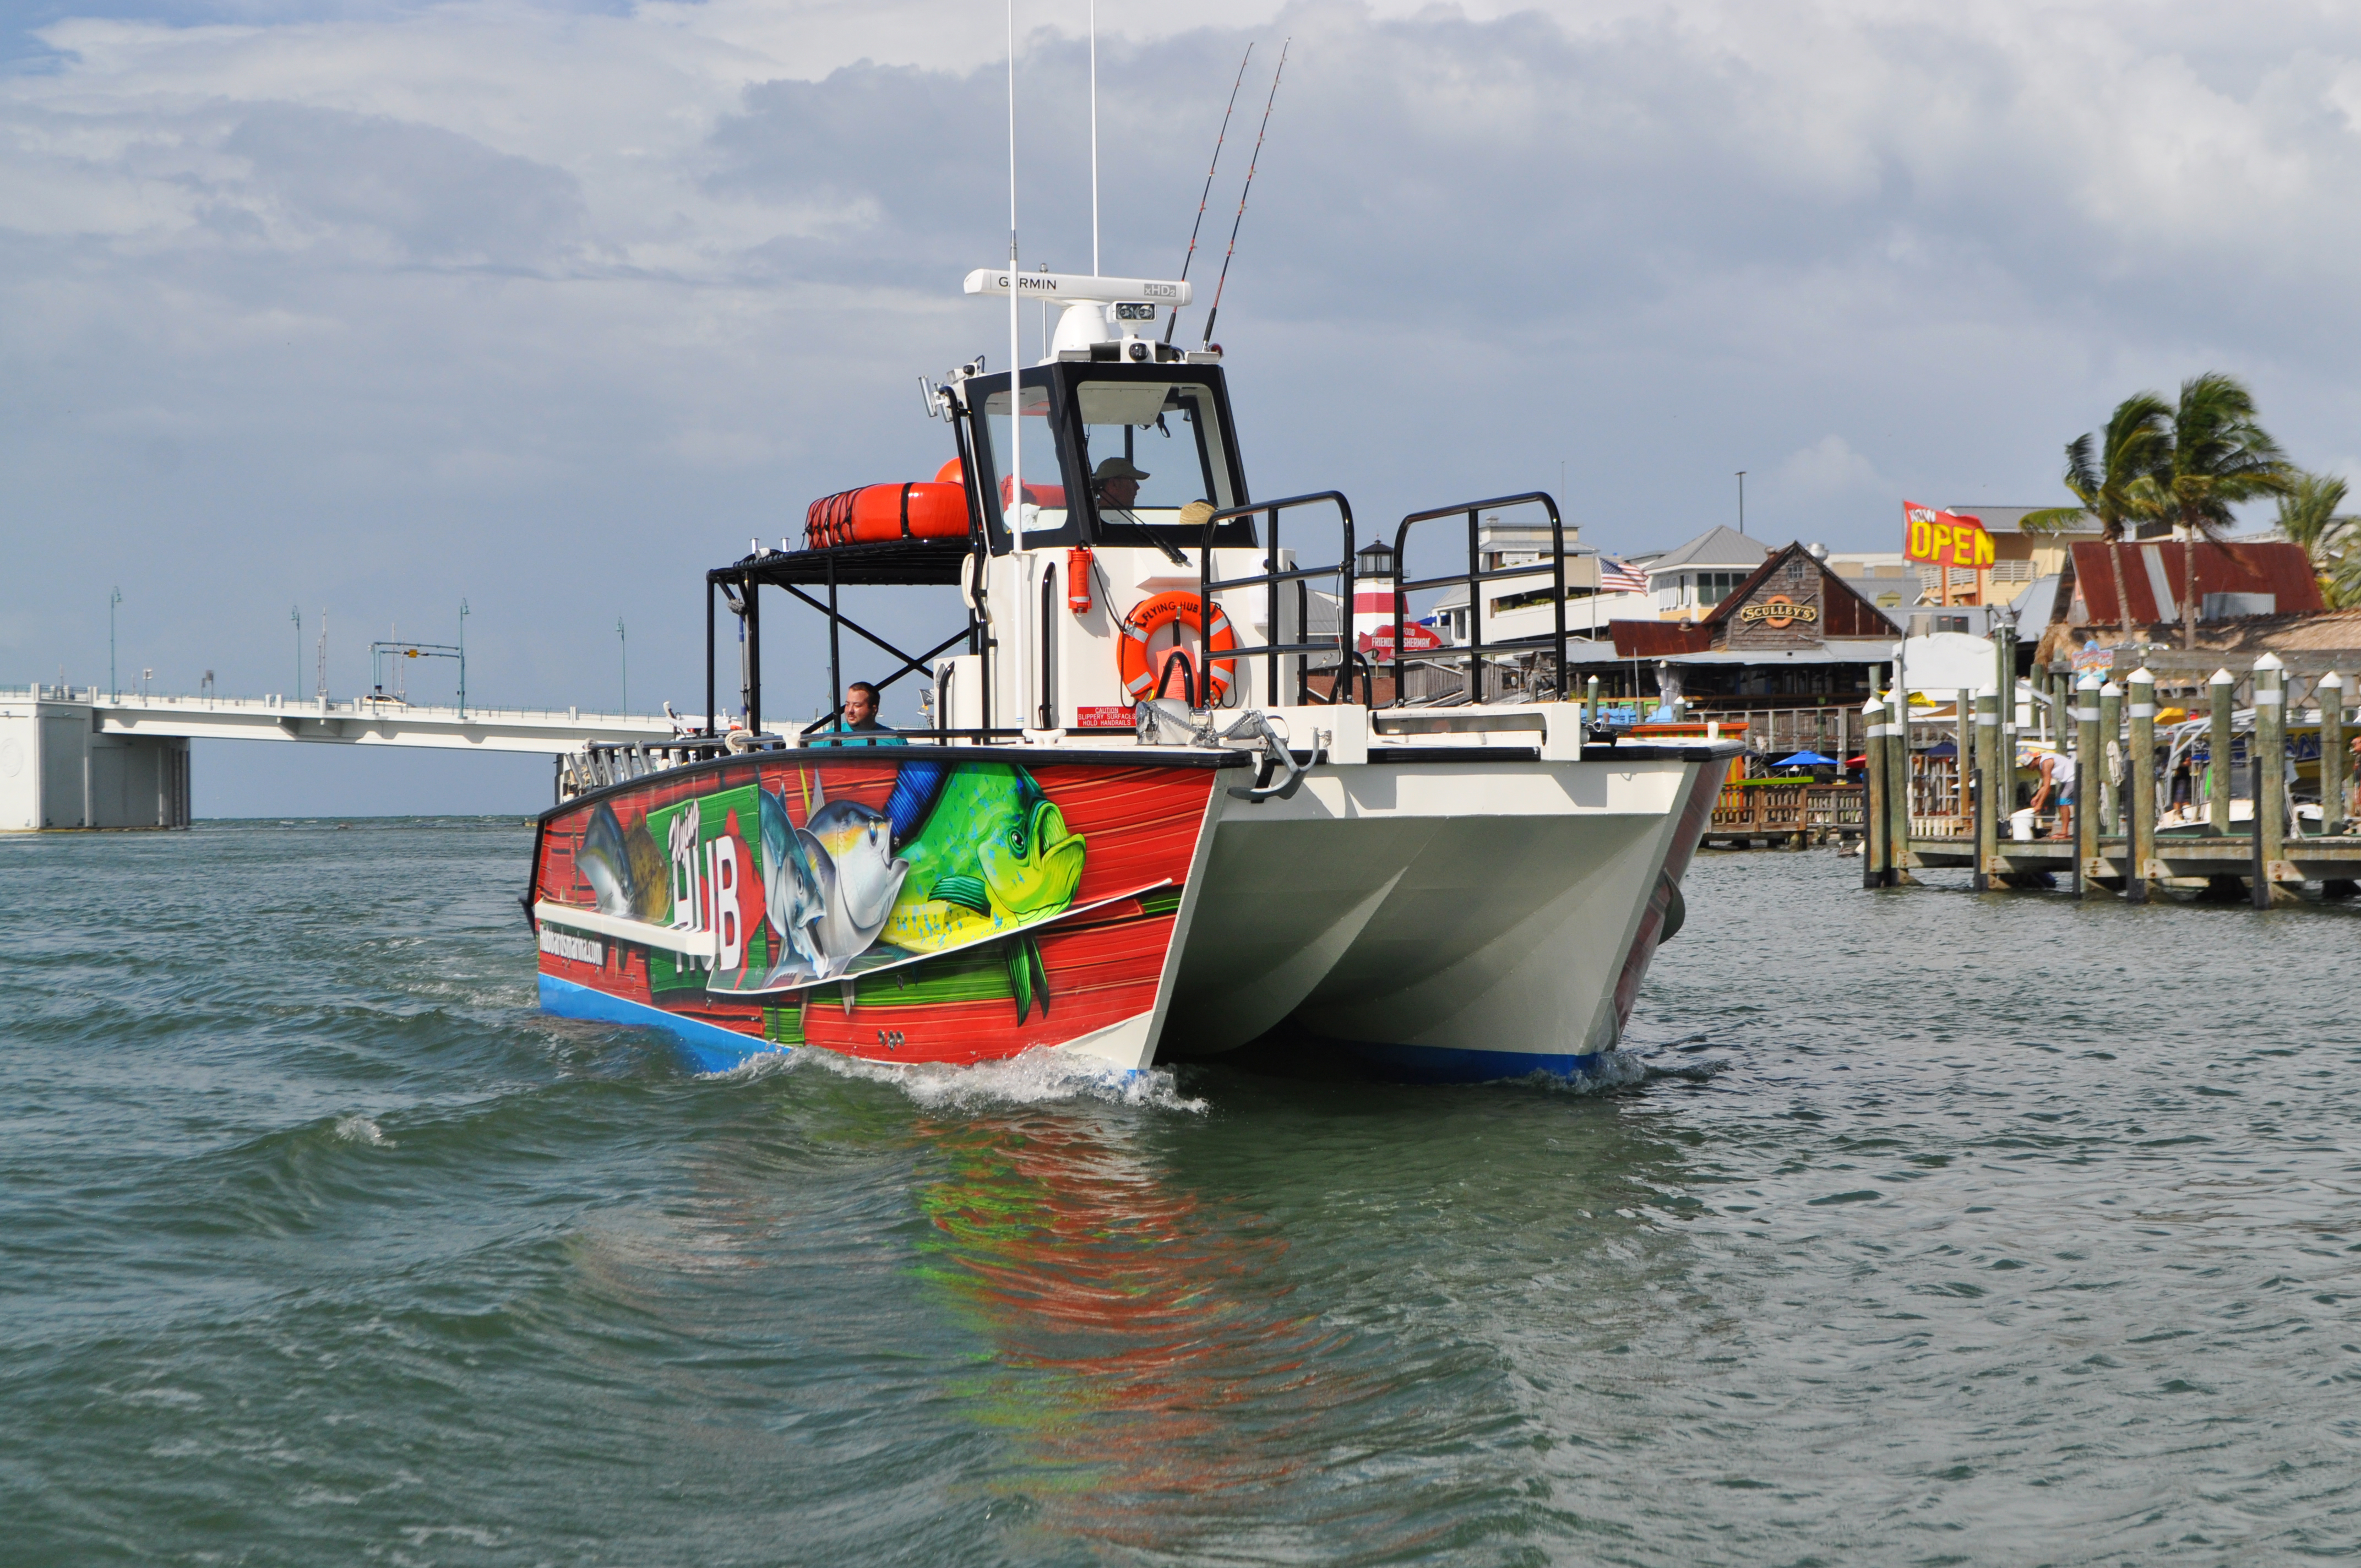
column 1913, row 1227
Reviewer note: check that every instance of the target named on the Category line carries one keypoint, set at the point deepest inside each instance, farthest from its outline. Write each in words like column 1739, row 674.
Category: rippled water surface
column 1933, row 1229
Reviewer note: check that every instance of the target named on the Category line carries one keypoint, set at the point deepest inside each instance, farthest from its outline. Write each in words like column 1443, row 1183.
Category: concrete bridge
column 77, row 757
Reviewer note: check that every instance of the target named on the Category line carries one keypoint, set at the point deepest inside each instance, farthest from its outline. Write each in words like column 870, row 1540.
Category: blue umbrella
column 1806, row 759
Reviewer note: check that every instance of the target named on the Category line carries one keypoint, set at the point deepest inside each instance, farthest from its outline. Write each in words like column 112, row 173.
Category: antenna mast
column 1246, row 191
column 1016, row 364
column 1172, row 317
column 1094, row 142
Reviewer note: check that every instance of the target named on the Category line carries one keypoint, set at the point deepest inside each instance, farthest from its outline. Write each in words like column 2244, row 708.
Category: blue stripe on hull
column 715, row 1049
column 1441, row 1064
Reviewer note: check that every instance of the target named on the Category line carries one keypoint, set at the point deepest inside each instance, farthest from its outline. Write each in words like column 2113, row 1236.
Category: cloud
column 1829, row 467
column 408, row 193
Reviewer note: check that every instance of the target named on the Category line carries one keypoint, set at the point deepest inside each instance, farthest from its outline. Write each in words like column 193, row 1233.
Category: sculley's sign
column 1779, row 611
column 1785, row 610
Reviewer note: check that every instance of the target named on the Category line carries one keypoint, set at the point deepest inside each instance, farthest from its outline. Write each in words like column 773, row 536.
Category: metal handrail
column 1477, row 647
column 1271, row 578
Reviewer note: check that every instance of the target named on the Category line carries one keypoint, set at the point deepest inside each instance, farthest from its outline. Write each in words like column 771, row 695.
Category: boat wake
column 359, row 1129
column 1035, row 1078
column 1615, row 1070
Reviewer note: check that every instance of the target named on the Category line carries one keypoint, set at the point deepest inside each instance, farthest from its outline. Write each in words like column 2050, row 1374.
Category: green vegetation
column 2185, row 465
column 2308, row 516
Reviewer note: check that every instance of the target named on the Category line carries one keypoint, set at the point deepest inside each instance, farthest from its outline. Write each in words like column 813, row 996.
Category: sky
column 367, row 309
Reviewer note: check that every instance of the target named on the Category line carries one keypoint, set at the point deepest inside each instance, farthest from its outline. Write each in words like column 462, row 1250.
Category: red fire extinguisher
column 1078, row 579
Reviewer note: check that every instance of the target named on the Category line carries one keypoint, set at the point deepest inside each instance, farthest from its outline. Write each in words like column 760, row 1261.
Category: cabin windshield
column 1113, row 455
column 1150, row 448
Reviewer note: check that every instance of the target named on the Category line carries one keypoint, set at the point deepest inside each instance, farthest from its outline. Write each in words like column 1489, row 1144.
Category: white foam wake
column 1616, row 1070
column 361, row 1130
column 1035, row 1078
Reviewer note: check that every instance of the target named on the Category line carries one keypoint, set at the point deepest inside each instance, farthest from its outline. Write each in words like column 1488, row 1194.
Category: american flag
column 1619, row 578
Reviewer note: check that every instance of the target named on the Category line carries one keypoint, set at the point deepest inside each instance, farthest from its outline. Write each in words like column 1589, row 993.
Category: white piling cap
column 2222, row 678
column 2111, row 689
column 2142, row 676
column 2270, row 662
column 1872, row 706
column 2089, row 683
column 1984, row 692
column 2331, row 680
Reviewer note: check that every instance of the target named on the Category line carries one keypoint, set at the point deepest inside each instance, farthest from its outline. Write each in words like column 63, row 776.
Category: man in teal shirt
column 858, row 725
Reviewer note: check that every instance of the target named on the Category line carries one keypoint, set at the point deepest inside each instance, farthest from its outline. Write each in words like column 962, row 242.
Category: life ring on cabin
column 1150, row 615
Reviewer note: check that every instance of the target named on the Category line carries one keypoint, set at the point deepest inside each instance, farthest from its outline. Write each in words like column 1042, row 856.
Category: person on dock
column 858, row 725
column 2058, row 787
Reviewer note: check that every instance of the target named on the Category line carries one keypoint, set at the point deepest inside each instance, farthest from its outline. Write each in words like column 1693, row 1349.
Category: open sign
column 1944, row 538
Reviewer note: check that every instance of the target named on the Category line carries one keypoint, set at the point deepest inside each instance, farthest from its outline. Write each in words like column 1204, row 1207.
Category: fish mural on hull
column 986, row 849
column 625, row 868
column 829, row 886
column 964, row 853
column 914, row 908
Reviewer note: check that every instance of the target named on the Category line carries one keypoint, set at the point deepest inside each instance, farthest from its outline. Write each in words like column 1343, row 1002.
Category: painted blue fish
column 796, row 886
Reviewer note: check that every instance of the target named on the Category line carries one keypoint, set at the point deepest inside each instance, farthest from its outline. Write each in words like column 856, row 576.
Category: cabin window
column 1151, row 447
column 1046, row 506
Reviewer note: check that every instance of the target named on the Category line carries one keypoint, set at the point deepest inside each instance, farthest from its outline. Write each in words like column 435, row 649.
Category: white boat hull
column 1460, row 920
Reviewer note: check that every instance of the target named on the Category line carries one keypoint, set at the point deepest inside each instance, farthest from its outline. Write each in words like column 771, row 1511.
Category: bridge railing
column 298, row 707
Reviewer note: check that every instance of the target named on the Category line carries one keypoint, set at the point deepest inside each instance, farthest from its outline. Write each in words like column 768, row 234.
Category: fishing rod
column 1244, row 192
column 1172, row 318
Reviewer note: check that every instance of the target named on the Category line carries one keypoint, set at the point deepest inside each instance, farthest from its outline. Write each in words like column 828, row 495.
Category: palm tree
column 2221, row 456
column 2116, row 481
column 2308, row 516
column 2342, row 587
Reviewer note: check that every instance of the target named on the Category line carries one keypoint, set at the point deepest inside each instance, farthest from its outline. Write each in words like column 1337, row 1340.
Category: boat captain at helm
column 1116, row 484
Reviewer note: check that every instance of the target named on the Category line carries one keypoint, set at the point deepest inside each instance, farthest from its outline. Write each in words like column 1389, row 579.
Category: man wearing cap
column 1116, row 484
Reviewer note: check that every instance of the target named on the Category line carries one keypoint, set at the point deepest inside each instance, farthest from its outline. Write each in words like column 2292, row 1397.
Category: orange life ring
column 1150, row 615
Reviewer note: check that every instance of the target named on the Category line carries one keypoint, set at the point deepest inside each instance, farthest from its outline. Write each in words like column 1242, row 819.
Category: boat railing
column 1476, row 648
column 602, row 764
column 1270, row 578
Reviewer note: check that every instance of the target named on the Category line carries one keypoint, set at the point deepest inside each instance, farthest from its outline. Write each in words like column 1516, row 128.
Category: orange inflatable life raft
column 921, row 510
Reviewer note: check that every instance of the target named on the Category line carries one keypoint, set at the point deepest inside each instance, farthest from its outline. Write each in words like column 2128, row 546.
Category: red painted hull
column 1029, row 953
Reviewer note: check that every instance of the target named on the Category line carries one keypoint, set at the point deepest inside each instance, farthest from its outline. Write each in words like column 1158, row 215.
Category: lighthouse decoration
column 1374, row 596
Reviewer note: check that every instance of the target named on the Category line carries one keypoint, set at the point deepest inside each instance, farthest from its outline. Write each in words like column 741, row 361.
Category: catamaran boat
column 1160, row 812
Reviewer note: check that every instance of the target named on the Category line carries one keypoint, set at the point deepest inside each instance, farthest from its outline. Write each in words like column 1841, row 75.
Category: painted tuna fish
column 868, row 876
column 829, row 886
column 994, row 854
column 625, row 869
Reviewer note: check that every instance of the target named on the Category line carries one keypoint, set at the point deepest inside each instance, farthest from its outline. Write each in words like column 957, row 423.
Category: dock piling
column 2221, row 693
column 2111, row 729
column 2270, row 779
column 1897, row 792
column 1873, row 855
column 2088, row 756
column 2329, row 693
column 1987, row 792
column 2140, row 784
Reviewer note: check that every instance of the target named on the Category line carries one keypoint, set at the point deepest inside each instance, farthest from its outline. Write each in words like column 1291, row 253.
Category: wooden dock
column 1790, row 813
column 2119, row 846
